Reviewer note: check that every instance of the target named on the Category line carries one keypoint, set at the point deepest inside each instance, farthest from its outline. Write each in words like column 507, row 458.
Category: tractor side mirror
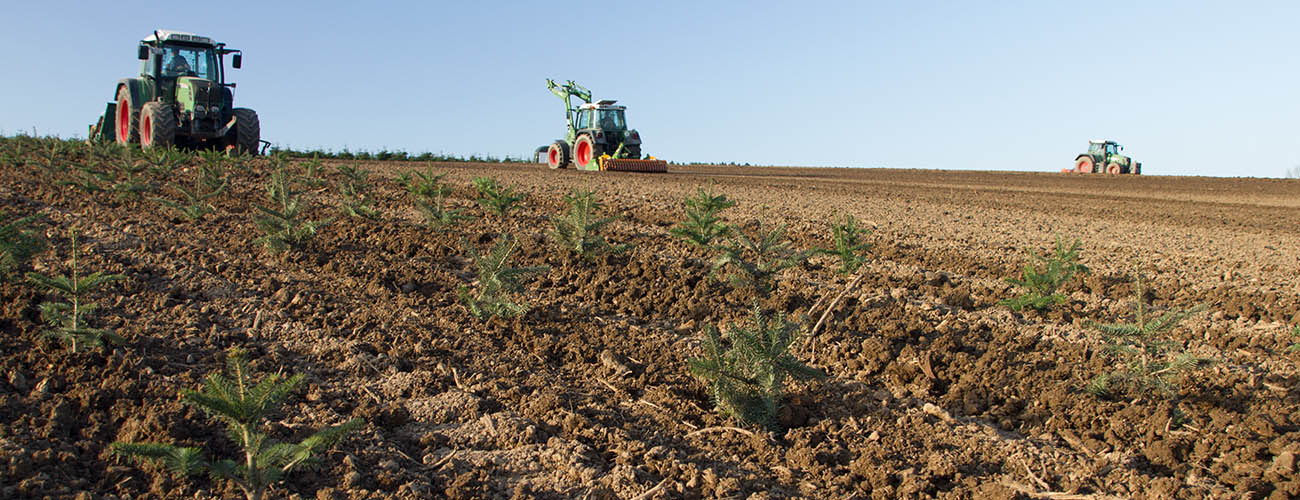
column 237, row 61
column 142, row 53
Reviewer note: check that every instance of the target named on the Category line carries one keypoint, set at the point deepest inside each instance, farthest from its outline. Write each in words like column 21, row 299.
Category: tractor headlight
column 216, row 109
column 199, row 111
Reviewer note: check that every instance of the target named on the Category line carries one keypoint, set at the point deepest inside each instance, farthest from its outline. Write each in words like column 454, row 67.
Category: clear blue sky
column 1190, row 88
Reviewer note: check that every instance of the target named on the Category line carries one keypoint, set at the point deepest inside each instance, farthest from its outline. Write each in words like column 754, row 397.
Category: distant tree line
column 386, row 155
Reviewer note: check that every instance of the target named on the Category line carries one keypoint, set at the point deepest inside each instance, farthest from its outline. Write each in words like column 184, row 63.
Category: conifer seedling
column 18, row 243
column 355, row 188
column 1149, row 362
column 209, row 184
column 578, row 230
column 497, row 281
column 283, row 226
column 244, row 406
column 747, row 371
column 1042, row 277
column 702, row 225
column 849, row 246
column 755, row 262
column 69, row 321
column 496, row 198
column 431, row 198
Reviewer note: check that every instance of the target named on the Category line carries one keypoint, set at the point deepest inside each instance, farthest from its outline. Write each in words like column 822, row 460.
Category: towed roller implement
column 650, row 164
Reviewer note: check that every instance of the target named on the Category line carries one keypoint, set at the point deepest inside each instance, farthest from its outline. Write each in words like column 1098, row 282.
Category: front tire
column 157, row 125
column 557, row 156
column 584, row 152
column 128, row 118
column 1113, row 168
column 248, row 131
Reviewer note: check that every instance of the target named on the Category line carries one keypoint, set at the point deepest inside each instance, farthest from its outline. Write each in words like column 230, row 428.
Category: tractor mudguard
column 141, row 90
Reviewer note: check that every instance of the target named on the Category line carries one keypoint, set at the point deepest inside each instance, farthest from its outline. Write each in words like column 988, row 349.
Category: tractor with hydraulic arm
column 597, row 136
column 181, row 97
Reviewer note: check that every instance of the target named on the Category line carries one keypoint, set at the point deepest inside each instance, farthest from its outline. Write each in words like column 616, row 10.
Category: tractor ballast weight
column 180, row 97
column 1103, row 157
column 597, row 137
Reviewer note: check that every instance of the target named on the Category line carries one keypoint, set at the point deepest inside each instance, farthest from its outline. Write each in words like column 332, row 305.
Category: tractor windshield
column 611, row 119
column 179, row 60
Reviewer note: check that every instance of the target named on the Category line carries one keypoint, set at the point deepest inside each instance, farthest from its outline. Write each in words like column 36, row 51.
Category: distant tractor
column 180, row 98
column 597, row 136
column 1104, row 157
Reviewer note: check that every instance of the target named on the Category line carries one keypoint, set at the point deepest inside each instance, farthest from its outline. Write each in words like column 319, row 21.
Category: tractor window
column 584, row 119
column 1110, row 149
column 189, row 61
column 612, row 119
column 1095, row 147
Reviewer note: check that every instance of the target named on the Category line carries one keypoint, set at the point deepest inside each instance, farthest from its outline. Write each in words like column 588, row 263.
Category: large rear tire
column 1083, row 165
column 248, row 131
column 584, row 152
column 557, row 156
column 127, row 126
column 157, row 125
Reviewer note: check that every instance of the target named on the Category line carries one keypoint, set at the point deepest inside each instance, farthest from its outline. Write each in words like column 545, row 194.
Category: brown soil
column 935, row 390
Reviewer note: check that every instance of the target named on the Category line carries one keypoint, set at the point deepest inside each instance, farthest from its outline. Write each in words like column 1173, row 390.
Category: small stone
column 389, row 465
column 875, row 436
column 408, row 287
column 1284, row 462
column 18, row 381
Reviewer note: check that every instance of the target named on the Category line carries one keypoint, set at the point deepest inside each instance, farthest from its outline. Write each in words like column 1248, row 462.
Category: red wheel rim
column 1083, row 166
column 123, row 121
column 584, row 152
column 146, row 131
column 553, row 156
column 1114, row 169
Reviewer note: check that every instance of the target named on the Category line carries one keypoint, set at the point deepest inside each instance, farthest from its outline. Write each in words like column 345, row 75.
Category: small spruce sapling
column 283, row 227
column 702, row 225
column 68, row 320
column 244, row 406
column 578, row 230
column 355, row 188
column 210, row 183
column 755, row 262
column 849, row 246
column 496, row 198
column 748, row 370
column 497, row 281
column 431, row 198
column 1295, row 334
column 1042, row 277
column 1149, row 362
column 18, row 243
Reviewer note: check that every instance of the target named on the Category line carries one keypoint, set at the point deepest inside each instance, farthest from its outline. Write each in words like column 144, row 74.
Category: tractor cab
column 171, row 54
column 602, row 115
column 1105, row 148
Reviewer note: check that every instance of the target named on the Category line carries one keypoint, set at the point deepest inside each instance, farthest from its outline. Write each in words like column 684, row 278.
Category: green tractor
column 1104, row 157
column 180, row 98
column 597, row 138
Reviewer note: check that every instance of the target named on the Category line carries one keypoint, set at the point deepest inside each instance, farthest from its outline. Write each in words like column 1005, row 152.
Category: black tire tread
column 163, row 124
column 248, row 131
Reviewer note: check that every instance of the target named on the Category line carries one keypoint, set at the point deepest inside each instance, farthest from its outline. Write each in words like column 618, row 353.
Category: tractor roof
column 1102, row 141
column 178, row 36
column 605, row 104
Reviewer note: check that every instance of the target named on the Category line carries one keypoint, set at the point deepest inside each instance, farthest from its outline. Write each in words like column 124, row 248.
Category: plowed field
column 935, row 390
